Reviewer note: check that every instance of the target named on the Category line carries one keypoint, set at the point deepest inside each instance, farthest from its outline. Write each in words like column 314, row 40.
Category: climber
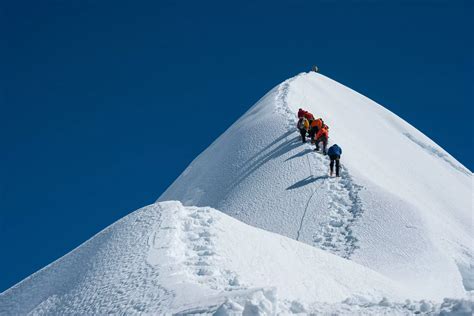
column 334, row 153
column 301, row 113
column 315, row 126
column 309, row 116
column 322, row 136
column 303, row 126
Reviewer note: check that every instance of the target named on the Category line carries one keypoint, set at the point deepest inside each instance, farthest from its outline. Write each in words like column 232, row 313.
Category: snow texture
column 393, row 235
column 403, row 206
column 167, row 258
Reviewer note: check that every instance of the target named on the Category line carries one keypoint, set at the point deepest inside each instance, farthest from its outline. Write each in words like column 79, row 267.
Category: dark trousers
column 303, row 135
column 313, row 131
column 334, row 158
column 324, row 140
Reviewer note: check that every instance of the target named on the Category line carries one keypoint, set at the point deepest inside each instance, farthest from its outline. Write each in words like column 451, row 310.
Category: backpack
column 309, row 116
column 300, row 124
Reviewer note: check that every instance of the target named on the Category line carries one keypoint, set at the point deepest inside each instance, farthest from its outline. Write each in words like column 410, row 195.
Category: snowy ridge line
column 345, row 208
column 189, row 236
column 167, row 244
column 267, row 153
column 198, row 237
column 337, row 235
column 435, row 152
column 282, row 102
column 107, row 273
column 263, row 155
column 407, row 230
column 204, row 257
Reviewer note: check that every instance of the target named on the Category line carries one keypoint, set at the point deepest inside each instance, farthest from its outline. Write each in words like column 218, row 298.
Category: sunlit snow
column 255, row 225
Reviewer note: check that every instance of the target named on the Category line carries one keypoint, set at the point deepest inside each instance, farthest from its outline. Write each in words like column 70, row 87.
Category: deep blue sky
column 92, row 91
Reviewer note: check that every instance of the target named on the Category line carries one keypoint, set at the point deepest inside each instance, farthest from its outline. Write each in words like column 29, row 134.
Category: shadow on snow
column 300, row 154
column 306, row 181
column 266, row 155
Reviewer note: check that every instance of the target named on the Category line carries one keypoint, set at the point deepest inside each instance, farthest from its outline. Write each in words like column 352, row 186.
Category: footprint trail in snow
column 197, row 235
column 344, row 207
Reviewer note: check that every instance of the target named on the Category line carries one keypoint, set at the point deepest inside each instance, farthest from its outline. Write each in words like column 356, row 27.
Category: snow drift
column 397, row 225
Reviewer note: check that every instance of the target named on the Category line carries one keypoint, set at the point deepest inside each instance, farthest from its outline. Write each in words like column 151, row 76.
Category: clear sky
column 104, row 103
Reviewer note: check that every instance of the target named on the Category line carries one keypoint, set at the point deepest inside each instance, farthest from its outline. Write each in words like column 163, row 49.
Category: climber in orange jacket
column 315, row 126
column 322, row 136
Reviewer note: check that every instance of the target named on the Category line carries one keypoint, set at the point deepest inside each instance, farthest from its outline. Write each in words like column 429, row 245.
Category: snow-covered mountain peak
column 401, row 200
column 397, row 225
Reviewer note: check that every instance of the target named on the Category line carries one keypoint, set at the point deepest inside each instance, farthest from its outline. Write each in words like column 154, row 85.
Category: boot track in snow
column 345, row 206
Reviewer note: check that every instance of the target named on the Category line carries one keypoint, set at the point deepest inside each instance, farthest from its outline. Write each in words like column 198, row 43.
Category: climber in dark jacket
column 334, row 153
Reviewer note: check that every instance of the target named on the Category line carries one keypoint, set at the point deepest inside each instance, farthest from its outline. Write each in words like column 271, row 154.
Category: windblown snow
column 393, row 235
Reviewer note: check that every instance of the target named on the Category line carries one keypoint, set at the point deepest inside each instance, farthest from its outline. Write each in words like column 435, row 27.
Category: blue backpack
column 335, row 150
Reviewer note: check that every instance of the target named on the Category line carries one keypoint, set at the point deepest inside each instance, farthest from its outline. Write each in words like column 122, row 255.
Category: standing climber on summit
column 303, row 126
column 334, row 153
column 322, row 136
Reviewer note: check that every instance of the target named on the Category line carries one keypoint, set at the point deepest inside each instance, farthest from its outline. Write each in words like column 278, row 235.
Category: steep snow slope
column 401, row 214
column 166, row 258
column 403, row 206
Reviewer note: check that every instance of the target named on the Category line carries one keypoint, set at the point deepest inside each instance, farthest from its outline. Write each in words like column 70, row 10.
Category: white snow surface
column 403, row 206
column 170, row 259
column 394, row 234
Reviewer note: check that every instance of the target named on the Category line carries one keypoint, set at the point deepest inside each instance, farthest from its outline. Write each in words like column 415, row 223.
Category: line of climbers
column 318, row 132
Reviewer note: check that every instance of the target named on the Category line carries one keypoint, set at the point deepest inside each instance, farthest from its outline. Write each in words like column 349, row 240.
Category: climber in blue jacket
column 334, row 153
